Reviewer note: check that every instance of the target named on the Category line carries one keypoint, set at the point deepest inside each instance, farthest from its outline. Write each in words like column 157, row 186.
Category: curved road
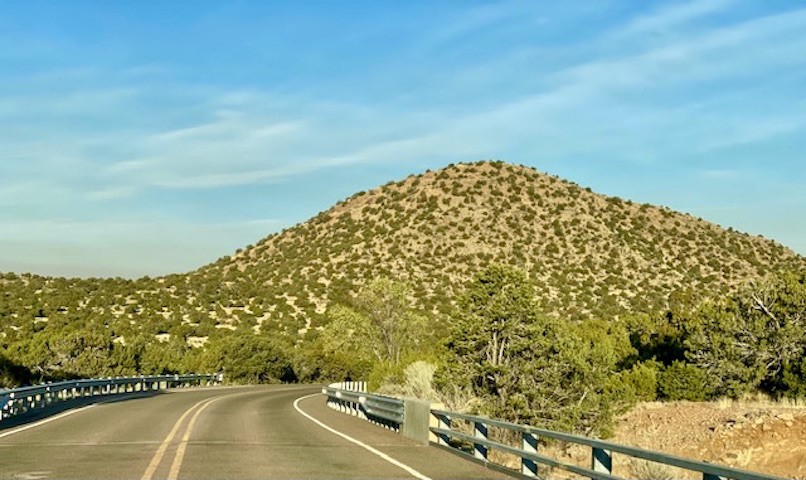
column 217, row 433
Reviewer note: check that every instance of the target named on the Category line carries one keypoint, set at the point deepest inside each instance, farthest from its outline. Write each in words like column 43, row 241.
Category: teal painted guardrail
column 391, row 413
column 601, row 451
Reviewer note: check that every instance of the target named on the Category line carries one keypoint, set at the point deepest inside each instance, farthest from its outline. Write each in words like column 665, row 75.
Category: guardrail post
column 362, row 413
column 339, row 402
column 444, row 423
column 602, row 460
column 480, row 431
column 529, row 445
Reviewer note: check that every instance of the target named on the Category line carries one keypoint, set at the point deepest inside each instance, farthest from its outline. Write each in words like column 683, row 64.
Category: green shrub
column 385, row 372
column 794, row 379
column 683, row 381
column 13, row 375
column 627, row 387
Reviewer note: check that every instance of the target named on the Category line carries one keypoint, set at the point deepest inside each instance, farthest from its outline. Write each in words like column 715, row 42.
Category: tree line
column 497, row 354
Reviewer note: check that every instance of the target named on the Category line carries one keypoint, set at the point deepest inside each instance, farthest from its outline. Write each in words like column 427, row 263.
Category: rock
column 787, row 417
column 766, row 427
column 789, row 424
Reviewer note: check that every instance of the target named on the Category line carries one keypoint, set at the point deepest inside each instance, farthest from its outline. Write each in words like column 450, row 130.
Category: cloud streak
column 688, row 88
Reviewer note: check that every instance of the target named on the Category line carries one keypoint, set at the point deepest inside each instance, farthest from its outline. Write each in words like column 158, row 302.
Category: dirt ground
column 764, row 437
column 761, row 436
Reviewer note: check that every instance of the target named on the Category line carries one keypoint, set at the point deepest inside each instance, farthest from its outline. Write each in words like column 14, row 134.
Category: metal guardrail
column 17, row 401
column 352, row 398
column 601, row 451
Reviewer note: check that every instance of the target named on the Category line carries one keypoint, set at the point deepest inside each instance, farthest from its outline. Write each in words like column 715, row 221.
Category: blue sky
column 152, row 137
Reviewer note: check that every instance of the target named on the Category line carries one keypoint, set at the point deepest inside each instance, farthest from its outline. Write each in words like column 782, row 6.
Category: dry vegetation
column 590, row 255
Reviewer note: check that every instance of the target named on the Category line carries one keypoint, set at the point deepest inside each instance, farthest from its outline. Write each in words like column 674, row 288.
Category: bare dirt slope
column 758, row 436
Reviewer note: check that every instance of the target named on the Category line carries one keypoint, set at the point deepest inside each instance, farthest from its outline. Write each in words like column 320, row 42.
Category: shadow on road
column 56, row 408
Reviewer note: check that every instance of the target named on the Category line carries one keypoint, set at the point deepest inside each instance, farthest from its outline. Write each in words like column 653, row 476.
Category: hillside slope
column 590, row 255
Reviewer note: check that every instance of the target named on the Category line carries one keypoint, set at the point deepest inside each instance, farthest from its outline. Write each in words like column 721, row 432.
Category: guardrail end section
column 416, row 417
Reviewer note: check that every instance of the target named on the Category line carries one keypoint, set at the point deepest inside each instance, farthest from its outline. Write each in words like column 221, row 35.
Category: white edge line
column 377, row 452
column 46, row 420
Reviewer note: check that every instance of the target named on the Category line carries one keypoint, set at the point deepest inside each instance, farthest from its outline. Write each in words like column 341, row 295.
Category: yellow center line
column 180, row 451
column 155, row 462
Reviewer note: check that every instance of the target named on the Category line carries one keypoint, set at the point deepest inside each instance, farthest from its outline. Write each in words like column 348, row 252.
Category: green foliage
column 314, row 362
column 375, row 334
column 13, row 375
column 591, row 257
column 637, row 384
column 418, row 381
column 385, row 372
column 683, row 381
column 753, row 338
column 380, row 323
column 249, row 358
column 526, row 367
column 794, row 378
column 157, row 358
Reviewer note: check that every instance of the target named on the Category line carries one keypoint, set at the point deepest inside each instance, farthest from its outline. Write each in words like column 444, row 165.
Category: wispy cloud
column 692, row 87
column 668, row 18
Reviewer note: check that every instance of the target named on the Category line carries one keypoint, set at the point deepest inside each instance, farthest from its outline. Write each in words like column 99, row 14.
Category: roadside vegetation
column 490, row 287
column 500, row 356
column 497, row 354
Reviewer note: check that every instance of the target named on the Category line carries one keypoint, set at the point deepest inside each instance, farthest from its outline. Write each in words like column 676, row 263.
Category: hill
column 590, row 255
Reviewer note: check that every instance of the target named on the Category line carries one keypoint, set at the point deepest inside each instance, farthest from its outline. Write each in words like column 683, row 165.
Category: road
column 217, row 433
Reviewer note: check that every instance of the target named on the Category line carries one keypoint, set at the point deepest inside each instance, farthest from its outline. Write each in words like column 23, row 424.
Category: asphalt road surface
column 219, row 433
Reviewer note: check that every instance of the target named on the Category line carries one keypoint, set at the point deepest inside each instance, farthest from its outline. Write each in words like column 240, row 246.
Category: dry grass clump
column 760, row 399
column 646, row 470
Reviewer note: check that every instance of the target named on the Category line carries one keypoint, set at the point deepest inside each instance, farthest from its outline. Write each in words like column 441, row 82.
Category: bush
column 385, row 373
column 418, row 380
column 638, row 384
column 750, row 340
column 13, row 375
column 795, row 379
column 528, row 368
column 645, row 470
column 248, row 358
column 683, row 381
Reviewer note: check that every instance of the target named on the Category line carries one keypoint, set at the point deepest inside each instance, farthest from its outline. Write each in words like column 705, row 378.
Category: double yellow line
column 180, row 450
